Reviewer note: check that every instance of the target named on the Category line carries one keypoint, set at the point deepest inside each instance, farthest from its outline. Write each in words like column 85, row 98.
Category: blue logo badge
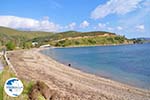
column 13, row 87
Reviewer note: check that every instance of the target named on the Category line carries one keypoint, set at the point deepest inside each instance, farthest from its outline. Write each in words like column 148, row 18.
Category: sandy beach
column 70, row 83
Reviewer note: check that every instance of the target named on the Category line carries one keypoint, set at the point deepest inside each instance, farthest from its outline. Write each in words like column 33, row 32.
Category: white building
column 44, row 46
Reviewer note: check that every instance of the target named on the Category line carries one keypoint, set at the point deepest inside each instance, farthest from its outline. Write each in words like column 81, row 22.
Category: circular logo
column 13, row 87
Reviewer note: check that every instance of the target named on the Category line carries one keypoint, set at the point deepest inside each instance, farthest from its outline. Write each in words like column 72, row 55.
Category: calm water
column 128, row 64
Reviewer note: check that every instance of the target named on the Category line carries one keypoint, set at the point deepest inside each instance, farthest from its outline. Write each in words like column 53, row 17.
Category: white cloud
column 119, row 28
column 140, row 27
column 84, row 24
column 146, row 3
column 110, row 29
column 101, row 25
column 28, row 23
column 104, row 27
column 71, row 26
column 119, row 7
column 137, row 22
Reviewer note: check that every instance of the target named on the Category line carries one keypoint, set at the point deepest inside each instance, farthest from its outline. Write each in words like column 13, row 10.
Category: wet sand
column 70, row 83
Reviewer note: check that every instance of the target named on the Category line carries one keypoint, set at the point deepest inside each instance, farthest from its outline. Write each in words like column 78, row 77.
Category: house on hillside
column 34, row 43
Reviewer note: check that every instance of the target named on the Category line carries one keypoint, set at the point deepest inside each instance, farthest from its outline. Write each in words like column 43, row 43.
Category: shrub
column 10, row 45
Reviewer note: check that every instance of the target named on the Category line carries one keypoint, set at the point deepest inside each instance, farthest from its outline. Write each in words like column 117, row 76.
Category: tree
column 10, row 45
column 27, row 45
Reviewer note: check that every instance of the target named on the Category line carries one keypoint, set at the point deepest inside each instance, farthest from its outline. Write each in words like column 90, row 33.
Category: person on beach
column 69, row 65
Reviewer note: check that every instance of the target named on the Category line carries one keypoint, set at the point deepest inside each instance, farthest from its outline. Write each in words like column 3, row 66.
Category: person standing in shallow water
column 69, row 65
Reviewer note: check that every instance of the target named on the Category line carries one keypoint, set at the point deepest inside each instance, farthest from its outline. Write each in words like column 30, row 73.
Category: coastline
column 95, row 45
column 70, row 82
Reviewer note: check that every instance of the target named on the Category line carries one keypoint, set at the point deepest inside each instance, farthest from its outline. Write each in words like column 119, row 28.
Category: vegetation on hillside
column 14, row 39
column 141, row 40
column 74, row 34
column 106, row 40
column 73, row 38
column 21, row 39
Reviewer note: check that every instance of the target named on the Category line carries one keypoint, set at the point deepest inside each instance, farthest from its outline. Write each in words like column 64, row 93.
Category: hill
column 27, row 34
column 145, row 40
column 19, row 38
column 74, row 34
column 24, row 39
column 141, row 40
column 73, row 38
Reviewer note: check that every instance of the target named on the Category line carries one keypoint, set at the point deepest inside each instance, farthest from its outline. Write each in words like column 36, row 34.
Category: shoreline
column 89, row 72
column 94, row 45
column 33, row 65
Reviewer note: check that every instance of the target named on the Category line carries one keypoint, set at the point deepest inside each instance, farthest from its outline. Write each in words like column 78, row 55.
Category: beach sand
column 70, row 83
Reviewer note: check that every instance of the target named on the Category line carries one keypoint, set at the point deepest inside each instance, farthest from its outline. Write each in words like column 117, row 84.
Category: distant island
column 16, row 39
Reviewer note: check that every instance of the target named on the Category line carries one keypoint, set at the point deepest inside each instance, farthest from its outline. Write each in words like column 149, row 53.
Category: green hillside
column 74, row 34
column 73, row 38
column 27, row 34
column 19, row 38
column 68, row 34
column 12, row 38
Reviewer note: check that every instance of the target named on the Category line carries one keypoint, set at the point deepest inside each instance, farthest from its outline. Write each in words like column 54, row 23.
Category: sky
column 130, row 18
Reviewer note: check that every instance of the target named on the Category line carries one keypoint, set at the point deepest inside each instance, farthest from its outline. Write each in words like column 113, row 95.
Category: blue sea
column 129, row 64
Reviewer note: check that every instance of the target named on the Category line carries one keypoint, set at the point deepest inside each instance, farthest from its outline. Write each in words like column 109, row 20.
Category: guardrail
column 9, row 64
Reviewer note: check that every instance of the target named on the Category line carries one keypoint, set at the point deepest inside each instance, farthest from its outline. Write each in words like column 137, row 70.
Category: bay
column 129, row 64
